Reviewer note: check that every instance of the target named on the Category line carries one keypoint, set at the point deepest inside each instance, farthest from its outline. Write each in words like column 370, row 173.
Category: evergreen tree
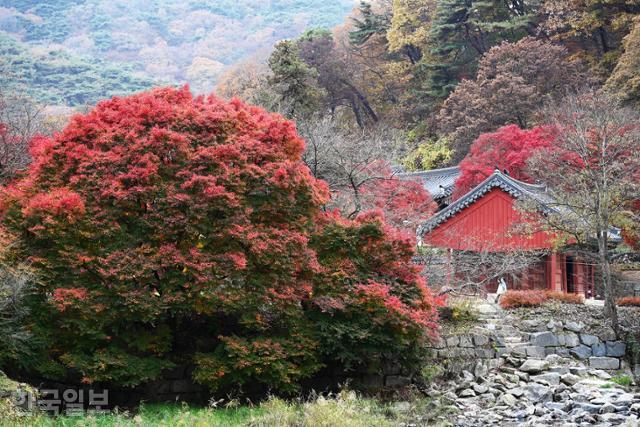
column 368, row 25
column 294, row 81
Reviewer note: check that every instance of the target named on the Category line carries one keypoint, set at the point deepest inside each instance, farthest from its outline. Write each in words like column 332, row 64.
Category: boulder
column 580, row 352
column 571, row 339
column 538, row 393
column 589, row 340
column 569, row 379
column 543, row 339
column 608, row 363
column 599, row 349
column 548, row 378
column 616, row 348
column 508, row 399
column 574, row 326
column 535, row 351
column 532, row 366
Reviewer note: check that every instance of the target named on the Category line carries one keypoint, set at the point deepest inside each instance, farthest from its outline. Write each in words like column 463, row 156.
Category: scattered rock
column 549, row 378
column 533, row 366
column 538, row 393
column 569, row 379
column 467, row 392
column 607, row 408
column 508, row 399
column 600, row 374
column 480, row 389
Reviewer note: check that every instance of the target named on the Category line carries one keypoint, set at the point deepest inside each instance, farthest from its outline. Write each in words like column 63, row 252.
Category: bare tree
column 348, row 160
column 469, row 272
column 592, row 172
column 20, row 119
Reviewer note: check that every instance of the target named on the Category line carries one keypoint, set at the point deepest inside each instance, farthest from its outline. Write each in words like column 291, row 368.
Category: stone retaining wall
column 538, row 340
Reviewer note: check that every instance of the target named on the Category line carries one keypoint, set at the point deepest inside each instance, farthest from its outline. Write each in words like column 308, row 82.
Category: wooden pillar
column 553, row 282
column 449, row 268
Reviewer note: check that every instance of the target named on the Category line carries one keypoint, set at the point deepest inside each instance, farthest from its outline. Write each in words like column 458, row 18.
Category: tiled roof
column 517, row 189
column 438, row 182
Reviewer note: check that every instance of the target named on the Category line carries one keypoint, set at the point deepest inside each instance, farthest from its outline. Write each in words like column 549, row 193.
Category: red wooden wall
column 487, row 225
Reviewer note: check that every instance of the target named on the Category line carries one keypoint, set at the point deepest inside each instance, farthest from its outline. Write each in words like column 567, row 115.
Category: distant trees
column 514, row 80
column 591, row 29
column 625, row 79
column 592, row 172
column 312, row 77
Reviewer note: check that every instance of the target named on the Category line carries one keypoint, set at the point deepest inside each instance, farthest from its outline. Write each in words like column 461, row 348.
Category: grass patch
column 623, row 380
column 164, row 415
column 346, row 409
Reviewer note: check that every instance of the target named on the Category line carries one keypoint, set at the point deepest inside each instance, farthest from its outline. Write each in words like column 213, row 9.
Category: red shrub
column 566, row 298
column 629, row 301
column 513, row 299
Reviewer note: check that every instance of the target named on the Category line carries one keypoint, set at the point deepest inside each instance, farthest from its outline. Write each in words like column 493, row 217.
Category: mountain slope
column 165, row 40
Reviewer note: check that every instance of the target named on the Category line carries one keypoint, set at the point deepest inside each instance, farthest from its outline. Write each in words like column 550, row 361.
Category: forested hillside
column 439, row 73
column 134, row 42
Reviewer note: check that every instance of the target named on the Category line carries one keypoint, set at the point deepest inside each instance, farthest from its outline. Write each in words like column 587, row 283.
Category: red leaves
column 508, row 148
column 403, row 202
column 174, row 210
column 59, row 204
column 64, row 298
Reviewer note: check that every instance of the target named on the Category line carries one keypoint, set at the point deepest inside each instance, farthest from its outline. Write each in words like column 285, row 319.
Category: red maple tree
column 170, row 229
column 508, row 149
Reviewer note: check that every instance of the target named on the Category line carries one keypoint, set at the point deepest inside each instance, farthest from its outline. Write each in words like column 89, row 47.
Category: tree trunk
column 610, row 310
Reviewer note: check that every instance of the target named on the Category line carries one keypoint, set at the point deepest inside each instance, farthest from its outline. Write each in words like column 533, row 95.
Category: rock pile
column 537, row 372
column 550, row 391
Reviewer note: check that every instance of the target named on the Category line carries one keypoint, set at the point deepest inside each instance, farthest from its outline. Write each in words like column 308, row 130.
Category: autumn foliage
column 514, row 299
column 629, row 302
column 508, row 149
column 171, row 229
column 535, row 298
